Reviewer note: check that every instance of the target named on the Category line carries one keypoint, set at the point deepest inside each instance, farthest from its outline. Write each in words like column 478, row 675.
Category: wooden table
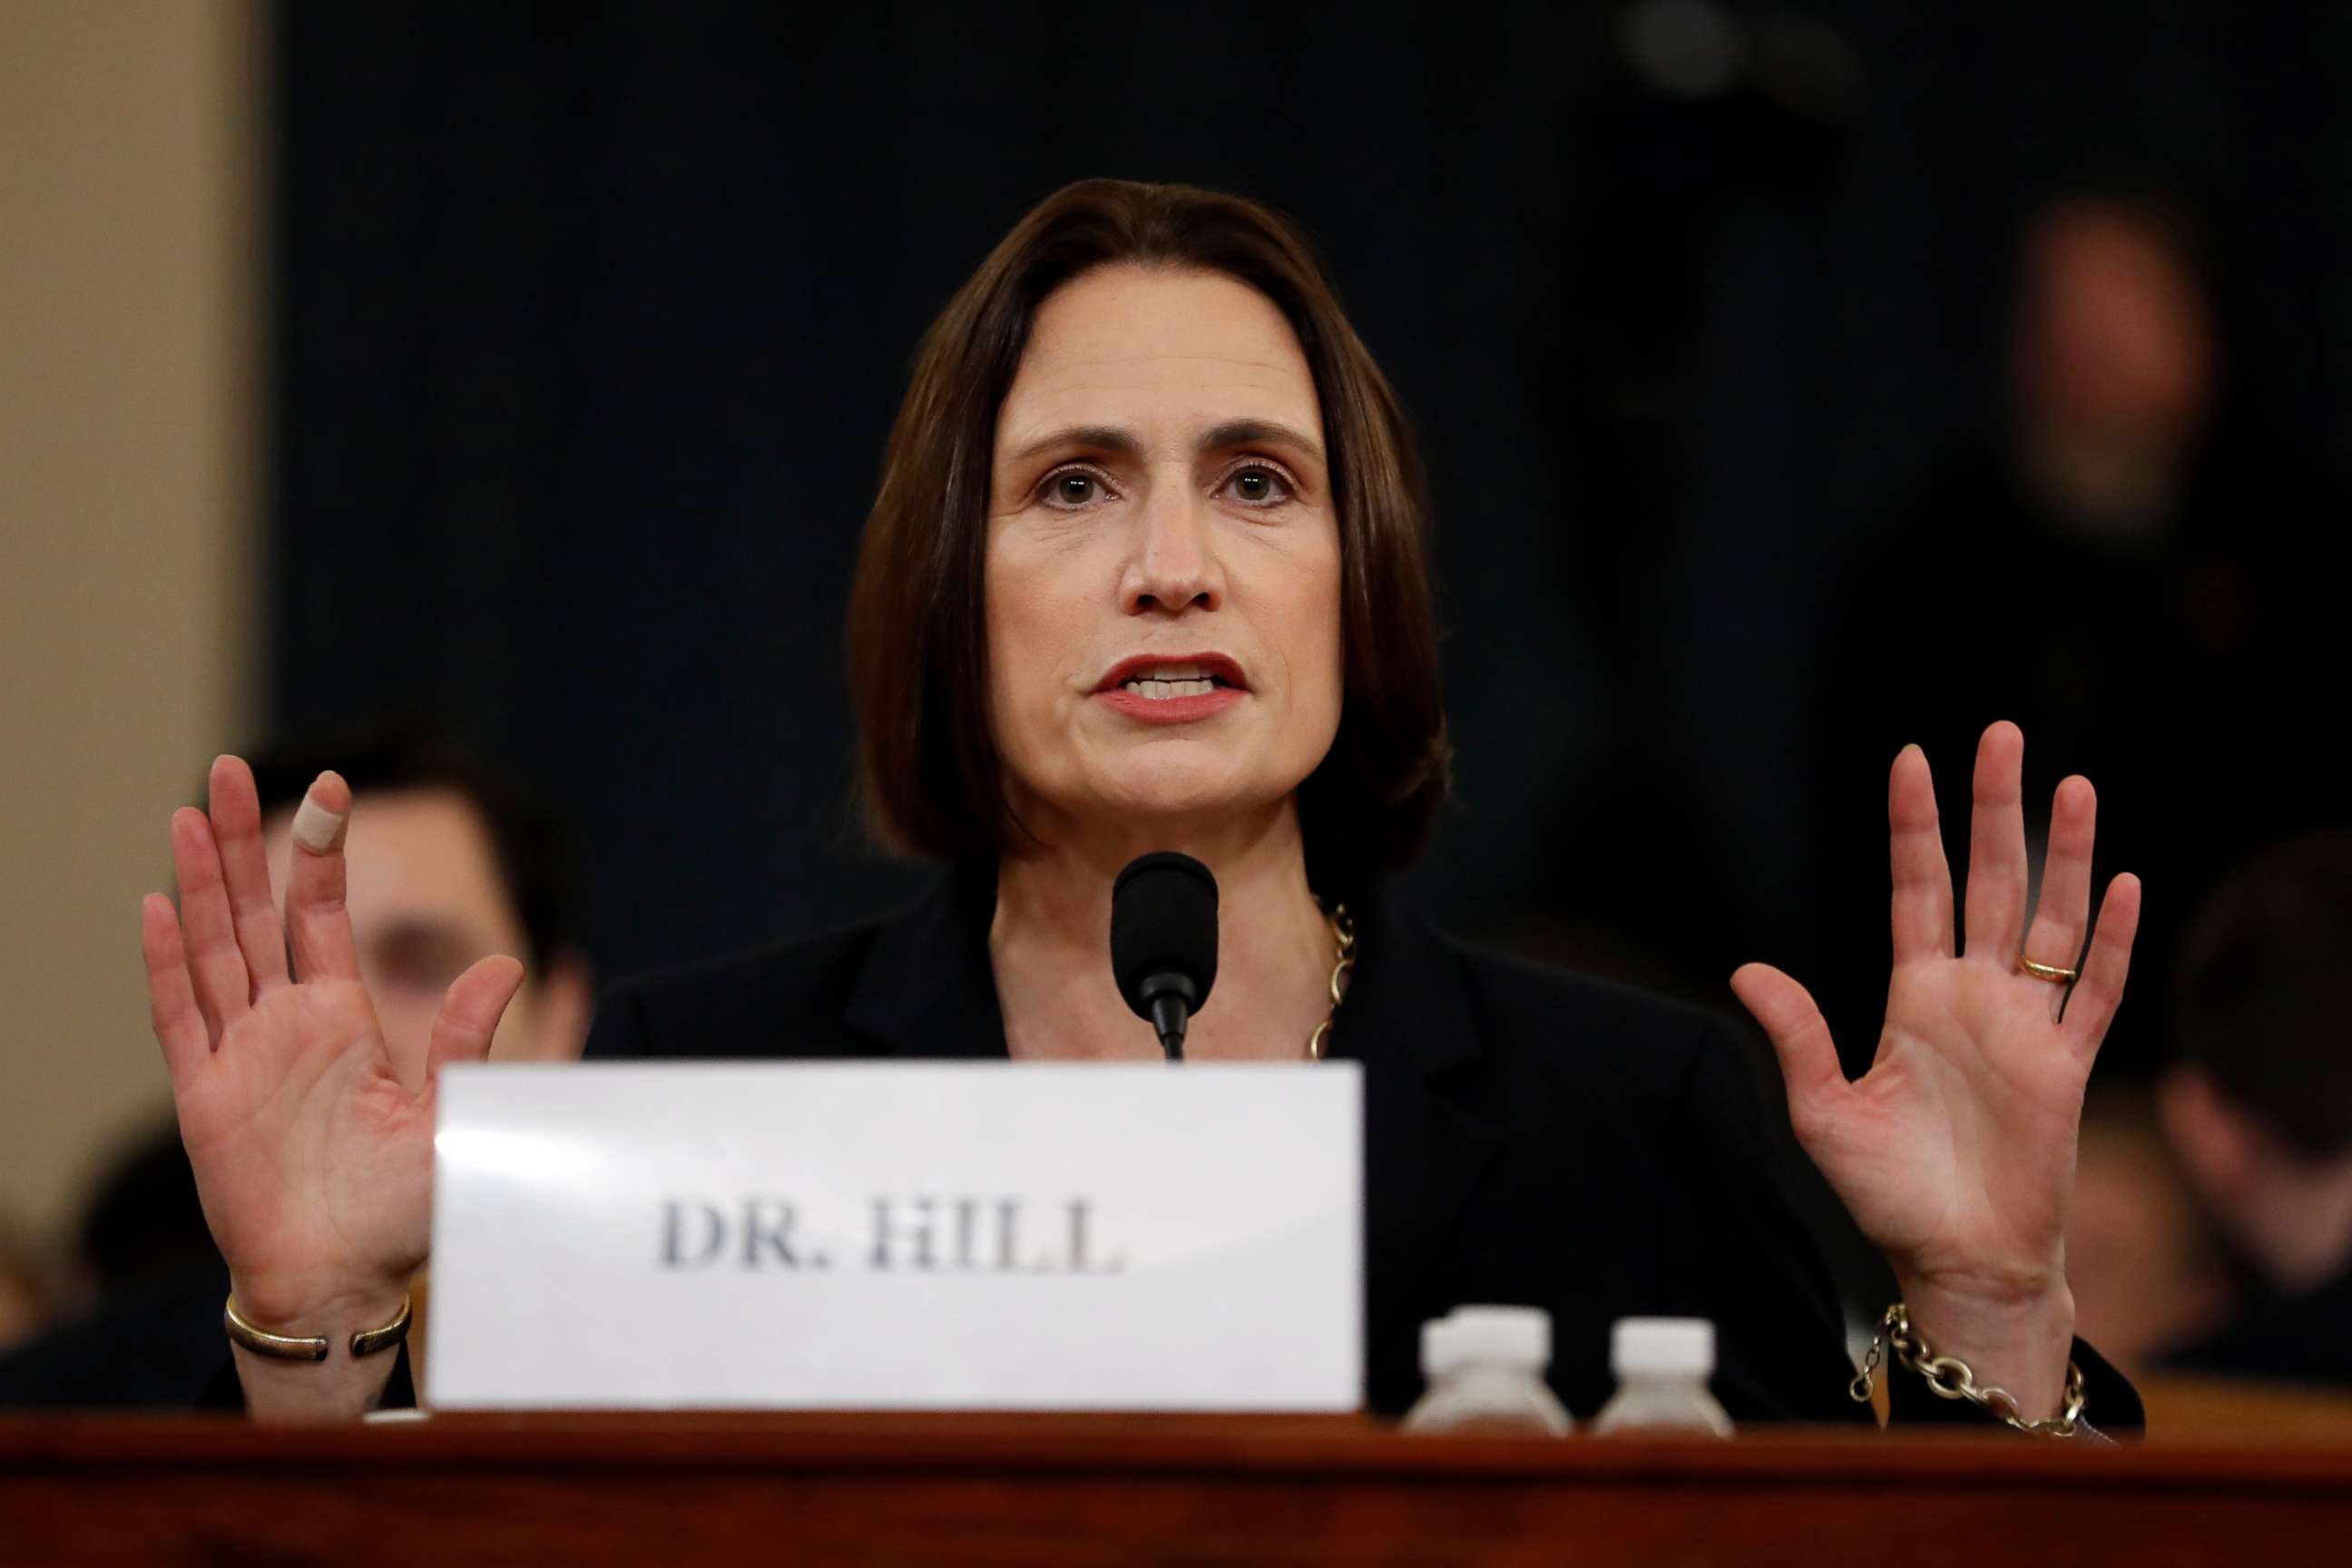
column 1065, row 1490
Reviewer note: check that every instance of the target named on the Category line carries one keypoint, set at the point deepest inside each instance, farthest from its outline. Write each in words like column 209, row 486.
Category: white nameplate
column 897, row 1235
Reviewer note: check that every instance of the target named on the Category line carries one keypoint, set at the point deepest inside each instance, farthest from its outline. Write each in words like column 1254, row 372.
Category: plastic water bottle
column 1486, row 1372
column 1662, row 1365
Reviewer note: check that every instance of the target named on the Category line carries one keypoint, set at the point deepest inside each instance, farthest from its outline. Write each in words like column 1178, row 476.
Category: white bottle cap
column 1662, row 1345
column 1506, row 1336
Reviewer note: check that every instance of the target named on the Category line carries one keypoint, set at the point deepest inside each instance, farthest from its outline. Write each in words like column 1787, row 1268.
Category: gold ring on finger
column 2049, row 972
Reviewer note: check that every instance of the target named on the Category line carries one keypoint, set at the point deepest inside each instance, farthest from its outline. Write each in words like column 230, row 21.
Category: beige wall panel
column 130, row 568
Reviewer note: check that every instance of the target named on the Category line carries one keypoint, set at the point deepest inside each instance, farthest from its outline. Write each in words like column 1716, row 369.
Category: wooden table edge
column 1132, row 1447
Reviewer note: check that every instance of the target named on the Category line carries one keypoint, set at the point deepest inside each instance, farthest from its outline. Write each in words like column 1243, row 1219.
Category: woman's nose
column 1174, row 565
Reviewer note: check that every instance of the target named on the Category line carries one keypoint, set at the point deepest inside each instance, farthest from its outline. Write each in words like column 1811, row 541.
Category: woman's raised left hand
column 1954, row 1152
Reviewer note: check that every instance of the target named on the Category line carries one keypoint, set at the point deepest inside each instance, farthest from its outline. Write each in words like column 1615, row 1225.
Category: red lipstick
column 1228, row 686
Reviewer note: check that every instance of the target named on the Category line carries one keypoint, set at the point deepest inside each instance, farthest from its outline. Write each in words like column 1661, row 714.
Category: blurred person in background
column 450, row 861
column 2157, row 566
column 2259, row 1107
column 2113, row 371
column 2147, row 1273
column 129, row 1329
column 454, row 861
column 24, row 1306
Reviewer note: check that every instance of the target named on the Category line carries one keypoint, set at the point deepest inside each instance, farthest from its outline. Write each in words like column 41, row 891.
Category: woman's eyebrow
column 1097, row 438
column 1127, row 443
column 1255, row 432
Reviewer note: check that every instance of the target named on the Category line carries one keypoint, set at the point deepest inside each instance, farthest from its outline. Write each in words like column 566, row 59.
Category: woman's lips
column 1169, row 709
column 1146, row 687
column 1215, row 667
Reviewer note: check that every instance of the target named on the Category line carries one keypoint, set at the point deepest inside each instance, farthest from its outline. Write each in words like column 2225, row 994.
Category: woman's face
column 1164, row 560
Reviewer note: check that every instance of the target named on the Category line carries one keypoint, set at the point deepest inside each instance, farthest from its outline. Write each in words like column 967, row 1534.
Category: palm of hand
column 1958, row 1143
column 312, row 1160
column 1954, row 1152
column 343, row 1181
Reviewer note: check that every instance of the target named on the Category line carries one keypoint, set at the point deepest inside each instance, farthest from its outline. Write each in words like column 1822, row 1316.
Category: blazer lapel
column 1409, row 1020
column 926, row 989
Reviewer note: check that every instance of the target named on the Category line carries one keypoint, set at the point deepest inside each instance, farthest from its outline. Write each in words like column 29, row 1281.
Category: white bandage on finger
column 316, row 828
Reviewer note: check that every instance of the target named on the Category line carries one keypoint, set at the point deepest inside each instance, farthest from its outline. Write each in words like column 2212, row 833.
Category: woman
column 1145, row 571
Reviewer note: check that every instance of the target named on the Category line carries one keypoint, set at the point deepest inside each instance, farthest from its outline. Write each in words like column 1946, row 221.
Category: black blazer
column 1531, row 1137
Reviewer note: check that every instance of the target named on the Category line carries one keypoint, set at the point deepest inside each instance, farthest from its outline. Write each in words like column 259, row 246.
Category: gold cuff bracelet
column 313, row 1347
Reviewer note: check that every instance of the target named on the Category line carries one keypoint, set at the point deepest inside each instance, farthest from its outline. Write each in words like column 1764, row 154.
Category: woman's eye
column 1258, row 487
column 1074, row 488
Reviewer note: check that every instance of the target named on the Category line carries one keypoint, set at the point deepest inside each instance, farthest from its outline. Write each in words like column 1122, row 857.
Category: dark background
column 591, row 320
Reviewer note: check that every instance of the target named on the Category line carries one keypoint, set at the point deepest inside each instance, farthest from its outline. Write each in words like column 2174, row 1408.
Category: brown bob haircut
column 931, row 781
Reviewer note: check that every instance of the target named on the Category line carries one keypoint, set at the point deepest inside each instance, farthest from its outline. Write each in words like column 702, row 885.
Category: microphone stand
column 1170, row 998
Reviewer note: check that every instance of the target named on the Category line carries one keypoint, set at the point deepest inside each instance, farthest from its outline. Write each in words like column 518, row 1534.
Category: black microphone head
column 1163, row 923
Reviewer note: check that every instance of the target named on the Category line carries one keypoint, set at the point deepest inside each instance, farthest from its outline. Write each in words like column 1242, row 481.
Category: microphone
column 1163, row 941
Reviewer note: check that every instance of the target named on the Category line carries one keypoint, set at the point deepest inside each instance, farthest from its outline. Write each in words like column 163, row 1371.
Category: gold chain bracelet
column 1948, row 1377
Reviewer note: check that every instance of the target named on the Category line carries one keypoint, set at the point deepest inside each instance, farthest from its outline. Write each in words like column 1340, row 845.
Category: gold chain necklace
column 1343, row 933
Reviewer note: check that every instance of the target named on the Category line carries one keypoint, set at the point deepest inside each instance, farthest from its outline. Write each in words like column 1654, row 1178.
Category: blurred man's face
column 427, row 900
column 2143, row 1279
column 2113, row 336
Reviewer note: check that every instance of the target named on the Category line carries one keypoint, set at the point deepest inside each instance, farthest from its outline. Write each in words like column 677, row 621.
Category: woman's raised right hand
column 313, row 1162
